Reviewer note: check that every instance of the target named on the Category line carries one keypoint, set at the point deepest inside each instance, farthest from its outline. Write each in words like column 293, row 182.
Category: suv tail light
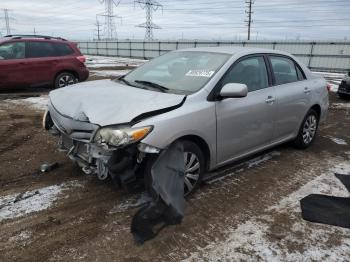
column 329, row 87
column 81, row 59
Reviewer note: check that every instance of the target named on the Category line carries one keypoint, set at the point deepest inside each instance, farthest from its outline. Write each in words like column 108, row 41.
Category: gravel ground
column 246, row 211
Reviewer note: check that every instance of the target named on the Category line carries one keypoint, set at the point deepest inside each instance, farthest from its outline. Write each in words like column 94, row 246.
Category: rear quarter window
column 63, row 49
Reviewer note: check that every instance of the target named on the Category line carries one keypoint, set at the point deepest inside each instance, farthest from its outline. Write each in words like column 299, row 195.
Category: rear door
column 42, row 57
column 14, row 69
column 293, row 96
column 246, row 124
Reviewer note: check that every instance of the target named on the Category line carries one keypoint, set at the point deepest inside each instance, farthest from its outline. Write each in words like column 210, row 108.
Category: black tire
column 343, row 96
column 305, row 136
column 189, row 147
column 65, row 79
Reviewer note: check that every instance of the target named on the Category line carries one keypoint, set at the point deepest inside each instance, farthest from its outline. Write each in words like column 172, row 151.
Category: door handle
column 307, row 90
column 270, row 100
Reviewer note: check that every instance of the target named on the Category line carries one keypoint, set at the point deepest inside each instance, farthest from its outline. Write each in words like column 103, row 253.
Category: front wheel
column 194, row 167
column 65, row 79
column 307, row 131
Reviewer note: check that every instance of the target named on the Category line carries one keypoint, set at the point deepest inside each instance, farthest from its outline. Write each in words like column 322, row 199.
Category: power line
column 110, row 28
column 150, row 6
column 249, row 15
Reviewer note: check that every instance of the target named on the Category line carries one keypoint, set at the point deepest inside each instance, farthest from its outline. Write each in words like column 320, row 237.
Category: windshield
column 178, row 72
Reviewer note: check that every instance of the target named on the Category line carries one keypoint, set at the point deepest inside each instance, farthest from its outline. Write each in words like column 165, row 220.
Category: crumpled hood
column 105, row 102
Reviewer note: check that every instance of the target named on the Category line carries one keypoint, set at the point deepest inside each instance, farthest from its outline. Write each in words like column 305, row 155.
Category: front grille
column 76, row 130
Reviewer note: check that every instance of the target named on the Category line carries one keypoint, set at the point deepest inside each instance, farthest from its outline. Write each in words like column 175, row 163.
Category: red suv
column 27, row 60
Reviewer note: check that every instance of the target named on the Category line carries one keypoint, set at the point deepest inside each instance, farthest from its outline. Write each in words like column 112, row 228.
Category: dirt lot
column 247, row 211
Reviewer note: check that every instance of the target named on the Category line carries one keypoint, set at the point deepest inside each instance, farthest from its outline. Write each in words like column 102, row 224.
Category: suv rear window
column 40, row 49
column 46, row 49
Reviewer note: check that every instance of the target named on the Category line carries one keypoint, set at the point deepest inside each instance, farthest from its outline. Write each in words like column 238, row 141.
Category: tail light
column 329, row 87
column 82, row 59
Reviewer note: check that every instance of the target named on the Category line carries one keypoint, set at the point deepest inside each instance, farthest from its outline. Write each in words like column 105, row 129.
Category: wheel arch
column 68, row 71
column 202, row 145
column 317, row 109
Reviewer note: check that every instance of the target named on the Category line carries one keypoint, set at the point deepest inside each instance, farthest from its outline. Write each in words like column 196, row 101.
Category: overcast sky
column 191, row 19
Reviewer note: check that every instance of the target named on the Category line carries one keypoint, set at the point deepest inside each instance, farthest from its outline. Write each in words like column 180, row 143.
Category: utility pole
column 34, row 31
column 249, row 15
column 110, row 28
column 150, row 6
column 98, row 29
column 7, row 21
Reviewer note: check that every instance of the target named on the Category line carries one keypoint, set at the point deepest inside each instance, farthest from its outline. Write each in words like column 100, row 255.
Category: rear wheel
column 308, row 130
column 65, row 79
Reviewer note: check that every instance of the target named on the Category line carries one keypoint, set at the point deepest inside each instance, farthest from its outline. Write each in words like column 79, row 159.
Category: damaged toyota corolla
column 223, row 104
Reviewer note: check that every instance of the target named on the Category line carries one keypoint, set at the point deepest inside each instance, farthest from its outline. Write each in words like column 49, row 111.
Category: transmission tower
column 150, row 6
column 98, row 29
column 110, row 28
column 7, row 21
column 249, row 13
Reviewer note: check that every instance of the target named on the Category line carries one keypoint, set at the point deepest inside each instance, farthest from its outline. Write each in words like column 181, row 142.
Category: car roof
column 235, row 50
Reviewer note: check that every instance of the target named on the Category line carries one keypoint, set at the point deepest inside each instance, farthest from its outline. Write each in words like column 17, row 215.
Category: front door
column 246, row 124
column 13, row 65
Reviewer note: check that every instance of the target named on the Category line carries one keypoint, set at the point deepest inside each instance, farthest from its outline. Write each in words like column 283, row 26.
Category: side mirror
column 233, row 90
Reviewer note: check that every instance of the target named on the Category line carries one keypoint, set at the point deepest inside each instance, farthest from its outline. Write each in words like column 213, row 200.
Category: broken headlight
column 121, row 136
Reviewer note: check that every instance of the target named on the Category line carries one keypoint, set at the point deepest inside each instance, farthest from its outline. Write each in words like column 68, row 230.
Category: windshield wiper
column 151, row 84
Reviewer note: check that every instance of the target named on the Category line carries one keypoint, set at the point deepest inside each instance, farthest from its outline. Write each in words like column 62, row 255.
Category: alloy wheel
column 66, row 80
column 192, row 171
column 309, row 129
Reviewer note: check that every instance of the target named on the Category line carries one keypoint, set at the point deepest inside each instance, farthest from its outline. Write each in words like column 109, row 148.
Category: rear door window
column 40, row 49
column 284, row 70
column 251, row 72
column 13, row 50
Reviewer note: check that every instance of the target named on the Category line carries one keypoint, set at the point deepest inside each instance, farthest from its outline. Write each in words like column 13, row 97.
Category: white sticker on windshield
column 200, row 73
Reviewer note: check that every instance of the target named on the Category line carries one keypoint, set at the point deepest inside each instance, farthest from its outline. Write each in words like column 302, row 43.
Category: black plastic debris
column 168, row 204
column 44, row 168
column 123, row 170
column 328, row 210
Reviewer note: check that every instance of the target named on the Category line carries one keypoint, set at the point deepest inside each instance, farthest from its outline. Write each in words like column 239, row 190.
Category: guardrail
column 319, row 55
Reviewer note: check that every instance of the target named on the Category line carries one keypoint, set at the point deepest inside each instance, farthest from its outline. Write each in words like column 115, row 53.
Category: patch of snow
column 21, row 237
column 340, row 105
column 109, row 73
column 338, row 141
column 109, row 61
column 39, row 103
column 251, row 240
column 333, row 79
column 21, row 204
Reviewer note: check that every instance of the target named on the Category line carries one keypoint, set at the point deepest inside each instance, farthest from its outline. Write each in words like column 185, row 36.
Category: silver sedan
column 223, row 103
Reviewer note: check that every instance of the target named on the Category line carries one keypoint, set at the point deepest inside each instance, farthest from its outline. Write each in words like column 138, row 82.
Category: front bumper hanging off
column 75, row 138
